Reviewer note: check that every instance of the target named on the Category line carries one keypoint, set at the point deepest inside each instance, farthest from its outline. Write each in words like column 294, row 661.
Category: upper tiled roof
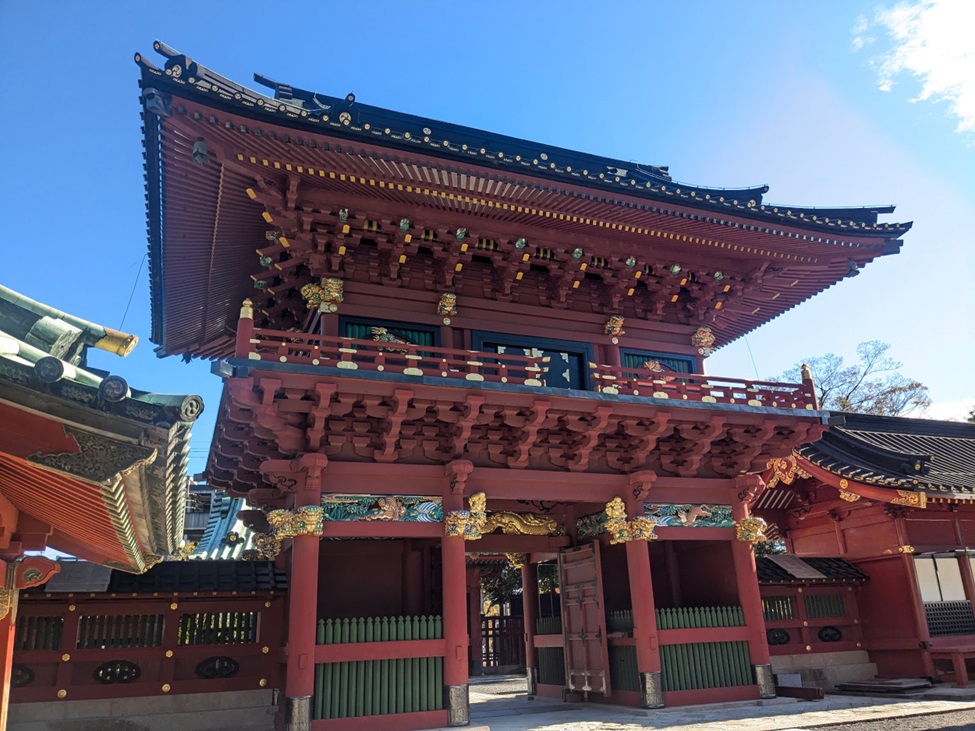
column 832, row 569
column 348, row 118
column 896, row 452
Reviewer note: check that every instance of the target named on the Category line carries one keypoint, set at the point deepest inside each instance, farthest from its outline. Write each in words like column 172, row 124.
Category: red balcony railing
column 280, row 346
column 410, row 360
column 707, row 389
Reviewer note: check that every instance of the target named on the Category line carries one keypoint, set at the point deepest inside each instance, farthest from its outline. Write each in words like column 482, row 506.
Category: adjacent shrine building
column 455, row 342
column 894, row 496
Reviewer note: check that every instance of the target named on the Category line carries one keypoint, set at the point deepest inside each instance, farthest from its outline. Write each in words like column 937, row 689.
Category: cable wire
column 132, row 293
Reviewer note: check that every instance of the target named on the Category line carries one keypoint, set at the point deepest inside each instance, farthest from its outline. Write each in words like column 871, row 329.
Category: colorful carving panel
column 389, row 508
column 669, row 515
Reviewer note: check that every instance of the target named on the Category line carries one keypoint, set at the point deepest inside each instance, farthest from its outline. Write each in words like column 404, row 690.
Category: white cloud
column 949, row 410
column 930, row 40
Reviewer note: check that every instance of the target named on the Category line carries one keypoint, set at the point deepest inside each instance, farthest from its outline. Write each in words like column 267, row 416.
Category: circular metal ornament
column 778, row 637
column 218, row 666
column 21, row 676
column 830, row 634
column 117, row 671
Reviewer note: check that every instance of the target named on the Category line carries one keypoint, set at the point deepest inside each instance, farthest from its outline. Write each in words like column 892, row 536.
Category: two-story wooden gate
column 584, row 620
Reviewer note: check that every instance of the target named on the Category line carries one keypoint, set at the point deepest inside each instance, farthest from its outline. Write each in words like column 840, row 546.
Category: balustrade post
column 245, row 330
column 303, row 601
column 809, row 387
column 529, row 599
column 749, row 595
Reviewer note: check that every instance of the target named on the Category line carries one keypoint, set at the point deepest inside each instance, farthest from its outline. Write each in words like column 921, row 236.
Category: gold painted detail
column 703, row 339
column 517, row 560
column 264, row 547
column 304, row 521
column 621, row 530
column 185, row 551
column 447, row 306
column 911, row 499
column 905, row 549
column 750, row 530
column 521, row 524
column 614, row 326
column 468, row 524
column 784, row 470
column 850, row 497
column 326, row 296
column 8, row 596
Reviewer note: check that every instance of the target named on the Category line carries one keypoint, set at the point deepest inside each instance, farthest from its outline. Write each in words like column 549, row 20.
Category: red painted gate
column 584, row 620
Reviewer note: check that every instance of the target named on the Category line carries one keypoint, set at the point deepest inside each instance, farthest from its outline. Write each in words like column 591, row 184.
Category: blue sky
column 726, row 94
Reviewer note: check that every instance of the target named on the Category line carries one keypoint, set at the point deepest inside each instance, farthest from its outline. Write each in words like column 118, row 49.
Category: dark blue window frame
column 666, row 359
column 393, row 326
column 479, row 339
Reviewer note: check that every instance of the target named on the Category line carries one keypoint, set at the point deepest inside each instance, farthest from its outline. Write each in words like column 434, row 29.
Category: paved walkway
column 500, row 705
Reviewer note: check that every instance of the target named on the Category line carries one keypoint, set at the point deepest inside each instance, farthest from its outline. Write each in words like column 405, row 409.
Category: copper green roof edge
column 214, row 544
column 182, row 74
column 99, row 336
column 86, row 388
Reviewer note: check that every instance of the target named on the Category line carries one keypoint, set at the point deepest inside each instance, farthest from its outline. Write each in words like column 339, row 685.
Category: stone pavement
column 500, row 705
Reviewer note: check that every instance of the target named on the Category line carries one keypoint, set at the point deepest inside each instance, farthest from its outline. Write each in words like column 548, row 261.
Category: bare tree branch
column 871, row 386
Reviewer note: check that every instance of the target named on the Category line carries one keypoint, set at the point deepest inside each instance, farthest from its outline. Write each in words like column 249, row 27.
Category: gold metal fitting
column 262, row 682
column 62, row 693
column 174, row 605
column 117, row 342
column 265, row 649
column 65, row 657
column 169, row 653
column 166, row 687
column 71, row 607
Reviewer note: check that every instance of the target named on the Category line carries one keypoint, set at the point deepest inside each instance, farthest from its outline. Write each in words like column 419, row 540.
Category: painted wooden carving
column 304, row 521
column 385, row 508
column 690, row 516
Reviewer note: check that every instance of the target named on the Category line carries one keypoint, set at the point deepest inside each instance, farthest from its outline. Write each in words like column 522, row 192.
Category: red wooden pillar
column 474, row 623
column 23, row 573
column 8, row 626
column 303, row 601
column 749, row 595
column 642, row 603
column 454, row 567
column 529, row 599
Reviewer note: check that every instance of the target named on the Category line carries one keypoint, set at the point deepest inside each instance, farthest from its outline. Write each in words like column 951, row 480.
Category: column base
column 766, row 683
column 531, row 676
column 458, row 702
column 297, row 713
column 651, row 690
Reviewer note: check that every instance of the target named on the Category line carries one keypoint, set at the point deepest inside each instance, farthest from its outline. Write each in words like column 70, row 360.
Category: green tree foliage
column 503, row 585
column 873, row 385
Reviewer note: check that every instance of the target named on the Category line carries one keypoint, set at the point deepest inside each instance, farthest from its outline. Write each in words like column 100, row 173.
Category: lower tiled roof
column 896, row 452
column 178, row 576
column 832, row 569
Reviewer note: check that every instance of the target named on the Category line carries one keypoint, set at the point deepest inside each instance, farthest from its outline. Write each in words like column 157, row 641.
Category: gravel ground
column 956, row 721
column 500, row 703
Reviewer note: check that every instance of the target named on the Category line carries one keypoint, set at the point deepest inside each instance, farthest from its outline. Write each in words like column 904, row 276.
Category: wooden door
column 584, row 620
